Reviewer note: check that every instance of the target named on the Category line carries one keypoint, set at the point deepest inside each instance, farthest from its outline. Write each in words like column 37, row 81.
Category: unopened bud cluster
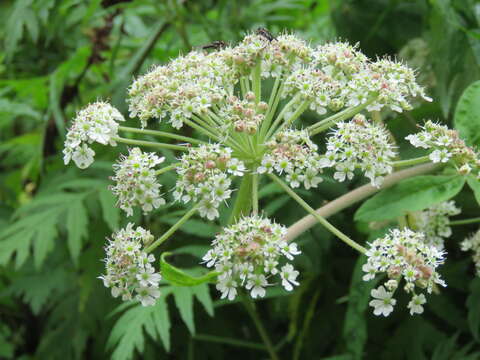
column 446, row 145
column 360, row 144
column 243, row 115
column 434, row 222
column 204, row 177
column 402, row 254
column 293, row 154
column 98, row 122
column 136, row 181
column 248, row 254
column 473, row 244
column 129, row 268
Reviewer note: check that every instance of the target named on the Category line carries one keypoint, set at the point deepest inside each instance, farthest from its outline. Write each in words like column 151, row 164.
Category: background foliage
column 58, row 55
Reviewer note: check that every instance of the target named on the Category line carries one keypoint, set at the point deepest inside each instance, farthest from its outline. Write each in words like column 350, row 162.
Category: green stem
column 243, row 201
column 257, row 80
column 272, row 107
column 409, row 162
column 319, row 218
column 280, row 116
column 161, row 133
column 150, row 143
column 464, row 221
column 167, row 169
column 200, row 129
column 229, row 341
column 301, row 109
column 170, row 231
column 340, row 116
column 250, row 306
column 255, row 193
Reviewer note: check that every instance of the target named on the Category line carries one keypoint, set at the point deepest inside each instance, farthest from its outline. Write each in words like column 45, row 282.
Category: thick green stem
column 342, row 115
column 161, row 133
column 150, row 144
column 170, row 231
column 250, row 306
column 410, row 162
column 464, row 221
column 243, row 201
column 319, row 218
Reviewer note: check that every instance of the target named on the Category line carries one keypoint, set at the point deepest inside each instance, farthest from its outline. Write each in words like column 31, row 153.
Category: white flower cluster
column 446, row 145
column 98, row 122
column 402, row 254
column 129, row 268
column 473, row 244
column 136, row 181
column 247, row 254
column 187, row 85
column 433, row 222
column 292, row 153
column 283, row 53
column 359, row 144
column 243, row 115
column 204, row 177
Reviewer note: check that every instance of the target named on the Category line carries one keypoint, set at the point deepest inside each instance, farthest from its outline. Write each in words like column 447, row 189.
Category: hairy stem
column 255, row 194
column 167, row 169
column 170, row 231
column 355, row 196
column 317, row 216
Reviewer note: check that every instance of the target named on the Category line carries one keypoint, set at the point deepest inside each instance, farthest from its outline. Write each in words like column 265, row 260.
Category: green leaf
column 184, row 301
column 162, row 322
column 473, row 302
column 111, row 213
column 44, row 242
column 77, row 225
column 127, row 332
column 474, row 184
column 178, row 277
column 467, row 115
column 412, row 194
column 202, row 293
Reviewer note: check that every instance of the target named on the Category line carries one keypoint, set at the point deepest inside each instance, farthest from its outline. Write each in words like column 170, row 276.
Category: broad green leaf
column 467, row 115
column 127, row 333
column 180, row 278
column 111, row 213
column 202, row 293
column 473, row 302
column 412, row 194
column 77, row 226
column 184, row 301
column 161, row 320
column 44, row 242
column 474, row 184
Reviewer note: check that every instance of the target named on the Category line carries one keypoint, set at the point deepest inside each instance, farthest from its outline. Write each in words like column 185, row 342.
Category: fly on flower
column 265, row 33
column 216, row 45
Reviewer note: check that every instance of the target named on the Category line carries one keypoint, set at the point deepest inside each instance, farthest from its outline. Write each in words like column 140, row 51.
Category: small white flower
column 257, row 284
column 440, row 156
column 148, row 277
column 289, row 276
column 383, row 302
column 415, row 305
column 147, row 295
column 228, row 288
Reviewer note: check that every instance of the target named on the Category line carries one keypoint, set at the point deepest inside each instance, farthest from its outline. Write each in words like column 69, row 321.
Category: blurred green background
column 58, row 55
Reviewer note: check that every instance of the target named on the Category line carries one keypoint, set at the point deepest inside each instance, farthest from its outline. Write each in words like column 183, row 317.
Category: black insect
column 265, row 33
column 217, row 45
